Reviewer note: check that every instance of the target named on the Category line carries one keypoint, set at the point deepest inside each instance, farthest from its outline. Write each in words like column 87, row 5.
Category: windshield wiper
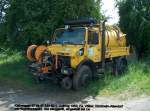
column 63, row 42
column 56, row 42
column 68, row 42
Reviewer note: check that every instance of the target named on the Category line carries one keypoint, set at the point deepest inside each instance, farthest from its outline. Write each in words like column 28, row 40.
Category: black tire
column 119, row 65
column 39, row 80
column 82, row 77
column 66, row 83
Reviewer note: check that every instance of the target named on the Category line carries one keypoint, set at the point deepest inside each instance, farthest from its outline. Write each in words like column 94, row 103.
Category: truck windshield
column 70, row 36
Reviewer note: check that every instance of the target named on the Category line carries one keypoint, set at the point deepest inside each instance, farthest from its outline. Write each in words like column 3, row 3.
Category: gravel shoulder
column 9, row 97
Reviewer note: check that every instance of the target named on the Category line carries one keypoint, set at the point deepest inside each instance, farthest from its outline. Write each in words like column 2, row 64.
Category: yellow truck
column 78, row 52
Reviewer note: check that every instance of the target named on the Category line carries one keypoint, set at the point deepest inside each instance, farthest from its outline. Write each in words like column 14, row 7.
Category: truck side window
column 93, row 38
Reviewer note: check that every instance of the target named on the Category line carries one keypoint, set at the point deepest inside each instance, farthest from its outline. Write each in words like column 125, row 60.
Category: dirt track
column 9, row 97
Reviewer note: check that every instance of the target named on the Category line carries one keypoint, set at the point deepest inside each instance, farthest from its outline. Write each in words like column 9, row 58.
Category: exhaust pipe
column 103, row 49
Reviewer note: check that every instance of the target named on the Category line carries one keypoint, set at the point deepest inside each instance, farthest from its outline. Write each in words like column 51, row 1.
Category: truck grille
column 64, row 60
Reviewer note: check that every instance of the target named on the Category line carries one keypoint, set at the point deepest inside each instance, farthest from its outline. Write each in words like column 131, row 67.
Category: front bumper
column 54, row 75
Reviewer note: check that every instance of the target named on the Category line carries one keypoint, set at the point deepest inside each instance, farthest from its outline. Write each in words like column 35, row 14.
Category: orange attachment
column 39, row 51
column 30, row 52
column 44, row 69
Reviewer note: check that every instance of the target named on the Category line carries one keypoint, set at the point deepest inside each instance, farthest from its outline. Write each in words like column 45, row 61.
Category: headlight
column 66, row 71
column 80, row 52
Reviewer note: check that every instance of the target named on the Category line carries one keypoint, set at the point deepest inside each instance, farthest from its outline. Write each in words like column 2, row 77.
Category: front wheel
column 39, row 80
column 66, row 83
column 82, row 77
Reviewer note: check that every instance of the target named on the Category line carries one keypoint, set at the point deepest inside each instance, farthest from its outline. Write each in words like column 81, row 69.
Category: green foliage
column 32, row 21
column 4, row 4
column 135, row 21
column 133, row 82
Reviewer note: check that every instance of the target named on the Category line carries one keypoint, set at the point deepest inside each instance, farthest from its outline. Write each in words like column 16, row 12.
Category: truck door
column 93, row 46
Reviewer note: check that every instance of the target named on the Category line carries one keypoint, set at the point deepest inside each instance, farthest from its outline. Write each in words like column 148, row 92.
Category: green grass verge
column 135, row 81
column 14, row 72
column 13, row 69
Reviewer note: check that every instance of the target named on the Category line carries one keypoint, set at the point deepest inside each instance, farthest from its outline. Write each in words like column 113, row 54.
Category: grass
column 135, row 81
column 14, row 72
column 13, row 69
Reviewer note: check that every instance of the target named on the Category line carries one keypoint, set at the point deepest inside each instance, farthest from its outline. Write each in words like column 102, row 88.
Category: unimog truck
column 79, row 52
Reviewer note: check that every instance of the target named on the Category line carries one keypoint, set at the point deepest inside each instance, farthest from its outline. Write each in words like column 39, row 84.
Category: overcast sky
column 108, row 8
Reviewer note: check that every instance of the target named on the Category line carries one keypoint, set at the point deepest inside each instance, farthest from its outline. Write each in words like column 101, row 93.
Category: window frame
column 93, row 32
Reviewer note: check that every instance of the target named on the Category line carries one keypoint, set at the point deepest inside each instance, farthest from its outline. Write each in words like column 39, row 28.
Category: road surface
column 9, row 97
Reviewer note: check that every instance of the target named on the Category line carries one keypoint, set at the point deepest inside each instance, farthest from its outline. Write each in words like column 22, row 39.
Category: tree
column 135, row 21
column 32, row 21
column 4, row 4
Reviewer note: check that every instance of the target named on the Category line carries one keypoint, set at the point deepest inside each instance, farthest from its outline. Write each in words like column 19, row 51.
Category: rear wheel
column 119, row 65
column 82, row 77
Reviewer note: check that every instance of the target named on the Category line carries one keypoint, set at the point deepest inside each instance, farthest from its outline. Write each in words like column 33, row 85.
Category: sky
column 109, row 9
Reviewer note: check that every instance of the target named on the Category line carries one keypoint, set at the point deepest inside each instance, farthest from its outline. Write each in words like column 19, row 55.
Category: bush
column 135, row 21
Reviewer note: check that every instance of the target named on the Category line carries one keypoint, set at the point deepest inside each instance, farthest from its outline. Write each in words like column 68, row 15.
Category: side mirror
column 67, row 27
column 83, row 42
column 48, row 42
